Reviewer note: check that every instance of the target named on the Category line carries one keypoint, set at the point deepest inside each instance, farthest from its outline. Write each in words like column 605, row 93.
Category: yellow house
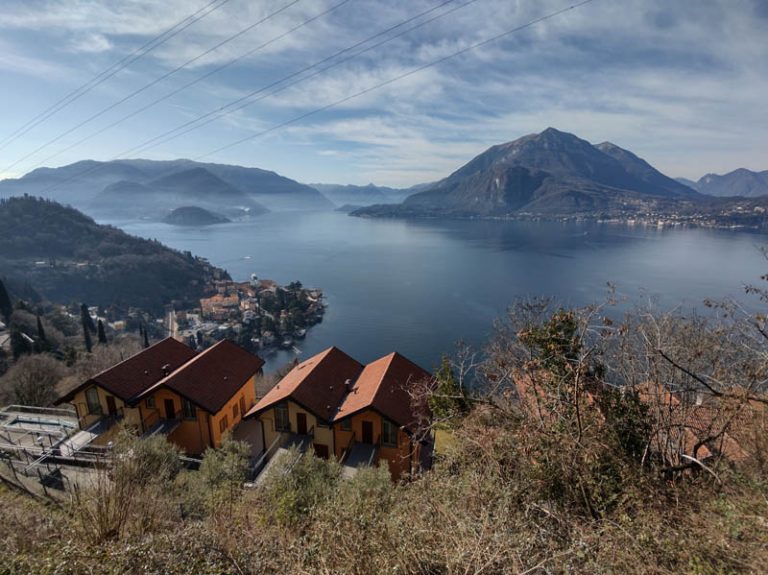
column 362, row 415
column 300, row 407
column 111, row 395
column 203, row 399
column 170, row 389
column 379, row 421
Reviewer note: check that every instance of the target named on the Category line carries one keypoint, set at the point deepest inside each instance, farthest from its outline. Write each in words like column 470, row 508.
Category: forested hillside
column 66, row 256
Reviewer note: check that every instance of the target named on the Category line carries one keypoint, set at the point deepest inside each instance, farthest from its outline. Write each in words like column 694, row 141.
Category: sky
column 683, row 83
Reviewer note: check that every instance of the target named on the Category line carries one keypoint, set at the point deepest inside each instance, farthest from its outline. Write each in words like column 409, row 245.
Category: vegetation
column 552, row 469
column 69, row 257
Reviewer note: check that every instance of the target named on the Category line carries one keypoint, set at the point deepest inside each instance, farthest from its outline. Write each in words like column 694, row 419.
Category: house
column 112, row 393
column 172, row 390
column 302, row 405
column 204, row 398
column 379, row 414
column 361, row 415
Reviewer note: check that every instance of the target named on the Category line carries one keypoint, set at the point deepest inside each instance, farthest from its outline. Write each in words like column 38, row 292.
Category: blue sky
column 683, row 84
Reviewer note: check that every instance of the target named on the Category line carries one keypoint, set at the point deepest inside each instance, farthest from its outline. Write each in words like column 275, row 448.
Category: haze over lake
column 419, row 286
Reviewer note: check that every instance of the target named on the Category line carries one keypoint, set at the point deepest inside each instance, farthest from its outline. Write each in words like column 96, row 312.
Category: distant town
column 259, row 314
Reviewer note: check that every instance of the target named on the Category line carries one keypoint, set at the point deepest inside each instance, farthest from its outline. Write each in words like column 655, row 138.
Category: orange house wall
column 248, row 390
column 398, row 458
column 193, row 436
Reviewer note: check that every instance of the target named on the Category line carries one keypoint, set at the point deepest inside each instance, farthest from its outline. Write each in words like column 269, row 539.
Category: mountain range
column 154, row 188
column 551, row 173
column 360, row 196
column 741, row 182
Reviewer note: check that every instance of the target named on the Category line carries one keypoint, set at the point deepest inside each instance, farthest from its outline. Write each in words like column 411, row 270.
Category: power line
column 145, row 144
column 110, row 71
column 246, row 100
column 153, row 83
column 396, row 78
column 392, row 80
column 192, row 83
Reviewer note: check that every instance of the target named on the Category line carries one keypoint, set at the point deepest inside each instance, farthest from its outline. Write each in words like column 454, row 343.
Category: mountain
column 68, row 257
column 157, row 197
column 741, row 182
column 551, row 173
column 193, row 216
column 342, row 195
column 686, row 182
column 82, row 184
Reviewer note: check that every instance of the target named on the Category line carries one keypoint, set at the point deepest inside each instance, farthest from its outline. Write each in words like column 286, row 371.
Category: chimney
column 348, row 385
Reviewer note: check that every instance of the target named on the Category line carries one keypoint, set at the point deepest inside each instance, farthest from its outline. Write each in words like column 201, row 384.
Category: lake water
column 419, row 286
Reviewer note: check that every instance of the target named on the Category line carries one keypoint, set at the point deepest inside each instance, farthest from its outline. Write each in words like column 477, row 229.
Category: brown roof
column 129, row 378
column 384, row 386
column 212, row 378
column 316, row 384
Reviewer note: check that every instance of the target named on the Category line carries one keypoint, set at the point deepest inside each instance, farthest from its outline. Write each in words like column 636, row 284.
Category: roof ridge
column 178, row 369
column 102, row 372
column 389, row 357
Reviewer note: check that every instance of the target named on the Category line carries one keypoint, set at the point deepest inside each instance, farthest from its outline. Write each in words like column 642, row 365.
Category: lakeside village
column 260, row 315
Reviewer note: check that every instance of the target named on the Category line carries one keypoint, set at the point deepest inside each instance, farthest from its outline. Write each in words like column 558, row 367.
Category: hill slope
column 66, row 256
column 548, row 173
column 193, row 216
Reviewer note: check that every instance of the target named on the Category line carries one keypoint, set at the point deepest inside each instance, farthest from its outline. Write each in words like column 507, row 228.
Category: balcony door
column 170, row 412
column 368, row 432
column 111, row 406
column 301, row 423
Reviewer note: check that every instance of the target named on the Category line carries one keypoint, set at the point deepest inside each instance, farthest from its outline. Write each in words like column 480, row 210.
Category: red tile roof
column 384, row 385
column 129, row 378
column 316, row 384
column 214, row 377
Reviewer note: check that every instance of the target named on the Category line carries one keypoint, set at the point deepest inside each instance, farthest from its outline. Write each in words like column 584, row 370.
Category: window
column 223, row 424
column 92, row 398
column 388, row 433
column 189, row 410
column 235, row 411
column 242, row 405
column 282, row 422
column 150, row 402
column 346, row 424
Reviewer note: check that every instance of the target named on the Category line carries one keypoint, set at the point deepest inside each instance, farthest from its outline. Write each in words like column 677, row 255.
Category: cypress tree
column 40, row 330
column 86, row 318
column 87, row 336
column 102, row 333
column 6, row 309
column 146, row 338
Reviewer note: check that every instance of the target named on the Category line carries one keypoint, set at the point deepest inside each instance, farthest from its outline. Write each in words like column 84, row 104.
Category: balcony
column 153, row 424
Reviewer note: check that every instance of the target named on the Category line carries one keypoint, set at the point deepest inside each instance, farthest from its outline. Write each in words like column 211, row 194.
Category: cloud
column 680, row 83
column 90, row 43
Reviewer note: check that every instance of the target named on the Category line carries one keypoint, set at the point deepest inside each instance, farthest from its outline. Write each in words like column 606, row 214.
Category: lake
column 417, row 287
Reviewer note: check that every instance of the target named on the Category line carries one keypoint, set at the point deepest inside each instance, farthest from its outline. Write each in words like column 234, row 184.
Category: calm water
column 418, row 287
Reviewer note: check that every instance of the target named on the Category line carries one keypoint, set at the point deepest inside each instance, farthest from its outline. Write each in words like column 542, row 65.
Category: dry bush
column 131, row 494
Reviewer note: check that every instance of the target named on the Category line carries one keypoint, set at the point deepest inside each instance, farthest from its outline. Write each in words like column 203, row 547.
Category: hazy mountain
column 81, row 183
column 686, row 182
column 346, row 195
column 741, row 182
column 157, row 197
column 66, row 256
column 548, row 173
column 193, row 216
column 76, row 184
